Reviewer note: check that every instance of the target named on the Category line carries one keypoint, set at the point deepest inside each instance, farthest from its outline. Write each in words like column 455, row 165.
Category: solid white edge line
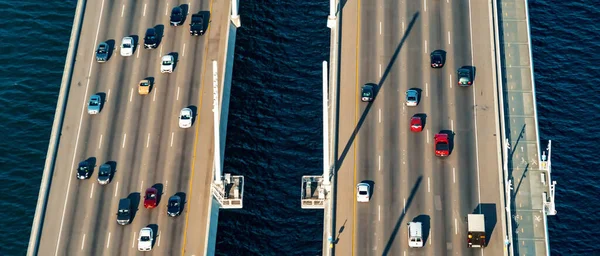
column 100, row 144
column 62, row 219
column 124, row 139
column 475, row 113
column 116, row 189
column 83, row 242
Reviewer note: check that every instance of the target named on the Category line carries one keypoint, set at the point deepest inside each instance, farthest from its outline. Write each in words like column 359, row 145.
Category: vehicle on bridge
column 151, row 198
column 416, row 124
column 144, row 87
column 84, row 170
column 127, row 45
column 176, row 16
column 174, row 206
column 415, row 234
column 197, row 25
column 151, row 39
column 367, row 93
column 442, row 144
column 166, row 64
column 124, row 212
column 465, row 76
column 146, row 239
column 102, row 52
column 95, row 104
column 185, row 118
column 363, row 192
column 476, row 232
column 104, row 174
column 437, row 59
column 412, row 98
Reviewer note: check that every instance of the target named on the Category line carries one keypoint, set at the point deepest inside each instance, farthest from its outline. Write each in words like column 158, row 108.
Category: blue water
column 275, row 118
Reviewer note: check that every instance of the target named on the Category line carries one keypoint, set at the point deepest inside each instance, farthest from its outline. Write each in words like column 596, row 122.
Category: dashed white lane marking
column 124, row 139
column 404, row 205
column 167, row 10
column 161, row 46
column 131, row 95
column 133, row 240
column 380, row 162
column 183, row 51
column 403, row 27
column 100, row 144
column 144, row 10
column 449, row 37
column 177, row 92
column 450, row 79
column 83, row 242
column 108, row 240
column 92, row 190
column 142, row 186
column 138, row 51
column 148, row 140
column 380, row 115
column 116, row 189
column 428, row 184
column 427, row 136
column 122, row 11
column 379, row 214
column 455, row 227
column 425, row 5
column 108, row 96
column 454, row 174
column 451, row 124
column 426, row 90
column 158, row 238
column 380, row 27
column 425, row 46
column 379, row 70
column 172, row 134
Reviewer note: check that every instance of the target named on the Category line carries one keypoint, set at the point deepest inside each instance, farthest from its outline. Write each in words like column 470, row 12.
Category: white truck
column 476, row 232
column 415, row 234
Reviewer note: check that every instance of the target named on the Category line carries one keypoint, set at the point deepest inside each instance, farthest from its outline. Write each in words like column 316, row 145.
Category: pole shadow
column 413, row 192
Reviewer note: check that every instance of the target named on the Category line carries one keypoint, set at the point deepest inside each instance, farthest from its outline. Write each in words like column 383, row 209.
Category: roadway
column 138, row 134
column 388, row 43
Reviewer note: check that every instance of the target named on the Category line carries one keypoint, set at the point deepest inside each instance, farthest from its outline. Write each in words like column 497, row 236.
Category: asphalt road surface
column 137, row 134
column 388, row 43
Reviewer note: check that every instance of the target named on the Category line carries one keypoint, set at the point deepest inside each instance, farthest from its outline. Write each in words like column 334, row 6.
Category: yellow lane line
column 197, row 132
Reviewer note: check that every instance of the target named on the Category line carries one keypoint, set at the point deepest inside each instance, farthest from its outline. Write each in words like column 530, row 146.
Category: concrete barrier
column 40, row 211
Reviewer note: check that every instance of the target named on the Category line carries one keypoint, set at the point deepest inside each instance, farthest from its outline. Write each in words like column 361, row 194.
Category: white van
column 415, row 234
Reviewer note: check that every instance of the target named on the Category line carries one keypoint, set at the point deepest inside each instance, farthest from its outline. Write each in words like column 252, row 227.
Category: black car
column 151, row 39
column 84, row 170
column 176, row 16
column 367, row 93
column 437, row 59
column 104, row 174
column 174, row 206
column 197, row 25
column 124, row 212
column 465, row 76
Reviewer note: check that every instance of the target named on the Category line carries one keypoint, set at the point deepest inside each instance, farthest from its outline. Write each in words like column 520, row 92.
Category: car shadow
column 185, row 9
column 206, row 17
column 426, row 225
column 151, row 80
column 136, row 41
column 489, row 211
column 135, row 199
column 113, row 168
column 111, row 48
column 371, row 187
column 160, row 32
column 154, row 228
column 159, row 188
column 102, row 100
column 423, row 117
column 450, row 140
column 194, row 113
column 175, row 59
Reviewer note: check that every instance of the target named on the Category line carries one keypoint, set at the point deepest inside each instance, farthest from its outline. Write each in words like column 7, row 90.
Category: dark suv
column 151, row 39
column 176, row 16
column 84, row 170
column 124, row 212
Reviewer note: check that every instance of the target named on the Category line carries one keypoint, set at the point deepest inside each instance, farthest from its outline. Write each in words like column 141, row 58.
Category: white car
column 166, row 64
column 412, row 98
column 363, row 192
column 145, row 240
column 185, row 118
column 127, row 46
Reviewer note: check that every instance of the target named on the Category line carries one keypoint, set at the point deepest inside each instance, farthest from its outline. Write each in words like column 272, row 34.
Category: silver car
column 127, row 46
column 185, row 118
column 95, row 104
column 166, row 64
column 412, row 98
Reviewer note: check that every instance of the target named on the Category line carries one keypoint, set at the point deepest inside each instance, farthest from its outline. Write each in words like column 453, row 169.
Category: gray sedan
column 95, row 104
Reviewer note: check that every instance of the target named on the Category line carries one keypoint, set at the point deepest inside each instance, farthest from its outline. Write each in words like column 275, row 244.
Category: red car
column 416, row 124
column 442, row 146
column 151, row 198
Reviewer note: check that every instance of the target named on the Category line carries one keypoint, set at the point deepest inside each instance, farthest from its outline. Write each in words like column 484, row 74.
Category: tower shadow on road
column 388, row 246
column 339, row 161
